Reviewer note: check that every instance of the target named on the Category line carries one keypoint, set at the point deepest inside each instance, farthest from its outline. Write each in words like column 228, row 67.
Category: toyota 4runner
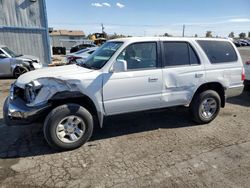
column 126, row 75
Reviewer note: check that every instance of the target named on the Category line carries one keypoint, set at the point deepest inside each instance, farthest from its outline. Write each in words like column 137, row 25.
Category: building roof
column 67, row 33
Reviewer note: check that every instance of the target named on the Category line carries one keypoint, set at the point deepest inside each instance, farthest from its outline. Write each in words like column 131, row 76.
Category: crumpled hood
column 28, row 58
column 61, row 72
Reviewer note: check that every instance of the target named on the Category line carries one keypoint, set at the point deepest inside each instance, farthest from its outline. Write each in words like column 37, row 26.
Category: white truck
column 127, row 75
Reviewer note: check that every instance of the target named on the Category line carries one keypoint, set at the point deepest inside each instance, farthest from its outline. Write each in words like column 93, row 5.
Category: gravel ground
column 162, row 148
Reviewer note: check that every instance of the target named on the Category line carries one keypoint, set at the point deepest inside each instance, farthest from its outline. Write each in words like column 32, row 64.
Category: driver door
column 139, row 88
column 5, row 69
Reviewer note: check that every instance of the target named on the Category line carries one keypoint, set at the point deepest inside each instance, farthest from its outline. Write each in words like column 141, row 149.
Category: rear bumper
column 15, row 112
column 234, row 91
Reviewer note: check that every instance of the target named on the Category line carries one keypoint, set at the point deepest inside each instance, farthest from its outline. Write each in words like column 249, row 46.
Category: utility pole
column 102, row 27
column 183, row 30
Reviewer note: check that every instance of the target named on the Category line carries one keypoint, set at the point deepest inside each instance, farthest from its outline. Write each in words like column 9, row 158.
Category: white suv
column 127, row 75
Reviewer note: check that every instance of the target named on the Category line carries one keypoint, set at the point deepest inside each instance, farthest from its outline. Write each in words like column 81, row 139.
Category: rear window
column 218, row 51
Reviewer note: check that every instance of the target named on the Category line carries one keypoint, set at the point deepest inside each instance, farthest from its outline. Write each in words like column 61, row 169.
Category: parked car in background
column 245, row 41
column 78, row 47
column 237, row 44
column 127, row 75
column 79, row 56
column 12, row 64
column 242, row 42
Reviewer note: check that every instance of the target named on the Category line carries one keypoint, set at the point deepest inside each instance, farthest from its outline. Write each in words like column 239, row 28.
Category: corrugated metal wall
column 24, row 28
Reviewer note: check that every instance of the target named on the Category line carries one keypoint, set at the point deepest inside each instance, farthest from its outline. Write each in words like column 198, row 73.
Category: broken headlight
column 31, row 91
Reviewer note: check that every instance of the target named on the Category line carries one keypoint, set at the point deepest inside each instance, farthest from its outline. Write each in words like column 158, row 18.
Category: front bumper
column 234, row 91
column 15, row 112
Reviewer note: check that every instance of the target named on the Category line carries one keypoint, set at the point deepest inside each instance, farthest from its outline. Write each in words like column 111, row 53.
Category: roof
column 141, row 39
column 67, row 33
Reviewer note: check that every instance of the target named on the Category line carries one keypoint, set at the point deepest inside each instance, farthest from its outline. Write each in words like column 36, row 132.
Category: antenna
column 102, row 27
column 183, row 30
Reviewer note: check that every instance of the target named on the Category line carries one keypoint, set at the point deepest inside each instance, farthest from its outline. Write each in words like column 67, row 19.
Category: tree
column 242, row 35
column 116, row 36
column 231, row 35
column 195, row 35
column 167, row 35
column 209, row 34
column 249, row 34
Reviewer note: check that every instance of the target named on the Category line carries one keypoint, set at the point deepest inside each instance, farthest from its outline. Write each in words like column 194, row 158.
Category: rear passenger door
column 182, row 72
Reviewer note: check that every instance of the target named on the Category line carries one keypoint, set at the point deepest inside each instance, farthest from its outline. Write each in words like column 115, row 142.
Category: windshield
column 102, row 55
column 10, row 52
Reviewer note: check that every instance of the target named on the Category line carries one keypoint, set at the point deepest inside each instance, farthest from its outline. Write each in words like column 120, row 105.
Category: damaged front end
column 17, row 112
column 31, row 103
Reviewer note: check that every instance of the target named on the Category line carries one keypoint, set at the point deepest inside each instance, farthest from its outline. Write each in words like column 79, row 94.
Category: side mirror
column 3, row 56
column 119, row 66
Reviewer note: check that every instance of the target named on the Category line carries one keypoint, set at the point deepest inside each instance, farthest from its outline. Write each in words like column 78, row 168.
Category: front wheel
column 18, row 71
column 68, row 127
column 205, row 106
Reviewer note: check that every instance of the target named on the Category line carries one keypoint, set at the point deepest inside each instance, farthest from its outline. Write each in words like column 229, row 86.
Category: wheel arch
column 78, row 98
column 215, row 86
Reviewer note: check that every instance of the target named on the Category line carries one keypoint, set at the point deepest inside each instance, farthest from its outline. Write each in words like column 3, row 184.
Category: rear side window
column 218, row 51
column 179, row 54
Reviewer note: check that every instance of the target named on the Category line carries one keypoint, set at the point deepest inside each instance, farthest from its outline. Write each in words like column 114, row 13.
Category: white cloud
column 120, row 5
column 234, row 20
column 239, row 20
column 96, row 4
column 106, row 4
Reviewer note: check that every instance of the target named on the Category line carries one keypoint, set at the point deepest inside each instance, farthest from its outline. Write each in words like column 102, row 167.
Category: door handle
column 152, row 79
column 198, row 75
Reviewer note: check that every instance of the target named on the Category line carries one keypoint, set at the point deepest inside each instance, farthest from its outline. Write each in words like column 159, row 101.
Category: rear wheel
column 205, row 106
column 68, row 127
column 19, row 71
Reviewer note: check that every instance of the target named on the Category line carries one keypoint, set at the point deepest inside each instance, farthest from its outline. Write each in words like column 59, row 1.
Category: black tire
column 196, row 106
column 18, row 71
column 56, row 116
column 247, row 85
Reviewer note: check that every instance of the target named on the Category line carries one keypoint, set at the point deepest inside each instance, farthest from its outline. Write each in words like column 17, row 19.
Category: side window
column 218, row 51
column 176, row 53
column 140, row 55
column 194, row 60
column 179, row 54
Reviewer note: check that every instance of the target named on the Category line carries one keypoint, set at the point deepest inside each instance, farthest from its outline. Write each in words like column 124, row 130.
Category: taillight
column 247, row 63
column 243, row 76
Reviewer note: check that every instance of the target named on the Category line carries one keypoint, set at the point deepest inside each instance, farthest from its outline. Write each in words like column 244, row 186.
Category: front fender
column 55, row 88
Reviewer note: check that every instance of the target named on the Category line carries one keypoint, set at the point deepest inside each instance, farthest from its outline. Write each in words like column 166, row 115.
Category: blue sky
column 151, row 17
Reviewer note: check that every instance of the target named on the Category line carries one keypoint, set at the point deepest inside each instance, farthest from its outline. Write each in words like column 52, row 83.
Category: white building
column 66, row 38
